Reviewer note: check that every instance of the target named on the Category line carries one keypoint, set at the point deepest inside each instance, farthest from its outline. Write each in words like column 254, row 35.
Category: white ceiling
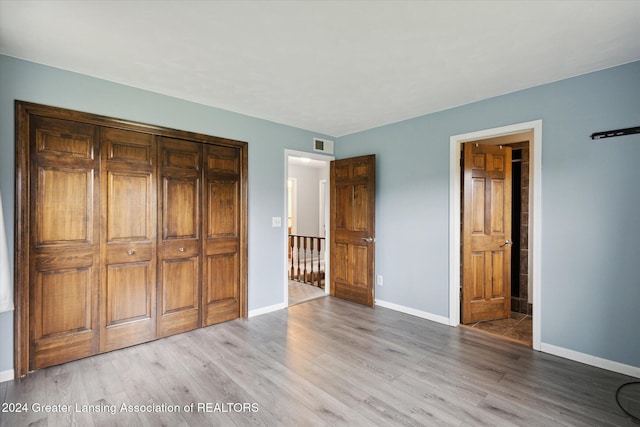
column 335, row 67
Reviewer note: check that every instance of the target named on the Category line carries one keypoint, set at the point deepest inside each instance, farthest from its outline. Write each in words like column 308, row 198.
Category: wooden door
column 353, row 229
column 221, row 232
column 127, row 303
column 64, row 241
column 112, row 246
column 486, row 289
column 179, row 236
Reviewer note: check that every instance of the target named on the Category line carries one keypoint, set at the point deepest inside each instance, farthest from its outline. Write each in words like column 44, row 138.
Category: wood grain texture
column 128, row 238
column 301, row 292
column 327, row 362
column 486, row 281
column 221, row 230
column 63, row 241
column 179, row 236
column 353, row 183
column 109, row 216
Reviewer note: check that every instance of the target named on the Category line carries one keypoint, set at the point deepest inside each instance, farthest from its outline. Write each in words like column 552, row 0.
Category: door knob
column 506, row 243
column 368, row 239
column 131, row 252
column 180, row 249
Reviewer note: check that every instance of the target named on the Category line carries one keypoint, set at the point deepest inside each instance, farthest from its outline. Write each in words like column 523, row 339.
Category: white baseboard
column 576, row 356
column 265, row 310
column 413, row 312
column 587, row 359
column 6, row 375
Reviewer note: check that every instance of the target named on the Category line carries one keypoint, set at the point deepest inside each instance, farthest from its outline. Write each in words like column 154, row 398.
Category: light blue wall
column 267, row 140
column 590, row 207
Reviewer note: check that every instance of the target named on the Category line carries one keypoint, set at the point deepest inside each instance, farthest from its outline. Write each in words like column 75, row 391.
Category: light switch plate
column 276, row 221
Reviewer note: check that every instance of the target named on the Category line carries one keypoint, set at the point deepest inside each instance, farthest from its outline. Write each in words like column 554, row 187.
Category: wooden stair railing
column 306, row 254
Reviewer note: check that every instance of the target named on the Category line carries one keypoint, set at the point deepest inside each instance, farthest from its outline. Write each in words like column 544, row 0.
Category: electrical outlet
column 276, row 221
column 379, row 280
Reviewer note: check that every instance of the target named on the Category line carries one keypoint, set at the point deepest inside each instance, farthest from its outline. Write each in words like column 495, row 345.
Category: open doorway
column 534, row 145
column 307, row 255
column 495, row 237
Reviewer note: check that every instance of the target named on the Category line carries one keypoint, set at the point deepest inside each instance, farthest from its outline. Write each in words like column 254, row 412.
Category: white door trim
column 327, row 267
column 535, row 216
column 294, row 199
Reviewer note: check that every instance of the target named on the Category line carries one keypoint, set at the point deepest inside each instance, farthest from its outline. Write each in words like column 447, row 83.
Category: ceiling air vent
column 323, row 145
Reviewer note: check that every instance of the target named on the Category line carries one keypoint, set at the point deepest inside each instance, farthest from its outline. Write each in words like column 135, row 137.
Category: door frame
column 294, row 188
column 327, row 267
column 535, row 216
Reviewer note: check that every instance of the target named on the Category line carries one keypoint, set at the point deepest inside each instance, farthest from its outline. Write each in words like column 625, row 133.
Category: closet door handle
column 131, row 252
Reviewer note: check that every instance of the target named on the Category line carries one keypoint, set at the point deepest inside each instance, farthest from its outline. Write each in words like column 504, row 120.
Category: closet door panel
column 223, row 209
column 129, row 271
column 128, row 293
column 64, row 316
column 129, row 304
column 180, row 223
column 129, row 199
column 222, row 290
column 125, row 233
column 68, row 289
column 128, row 148
column 179, row 236
column 64, row 253
column 64, row 206
column 223, row 274
column 181, row 291
column 221, row 278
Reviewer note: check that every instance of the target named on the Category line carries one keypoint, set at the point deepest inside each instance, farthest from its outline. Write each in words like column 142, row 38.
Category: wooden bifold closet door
column 128, row 240
column 222, row 236
column 129, row 233
column 179, row 234
column 64, row 243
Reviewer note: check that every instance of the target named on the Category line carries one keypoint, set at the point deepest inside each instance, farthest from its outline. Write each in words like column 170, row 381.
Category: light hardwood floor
column 324, row 362
column 302, row 292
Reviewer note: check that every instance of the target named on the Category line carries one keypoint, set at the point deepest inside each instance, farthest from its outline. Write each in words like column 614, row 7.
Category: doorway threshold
column 517, row 328
column 303, row 292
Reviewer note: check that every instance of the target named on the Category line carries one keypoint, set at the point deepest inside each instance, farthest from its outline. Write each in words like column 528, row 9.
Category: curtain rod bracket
column 617, row 132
